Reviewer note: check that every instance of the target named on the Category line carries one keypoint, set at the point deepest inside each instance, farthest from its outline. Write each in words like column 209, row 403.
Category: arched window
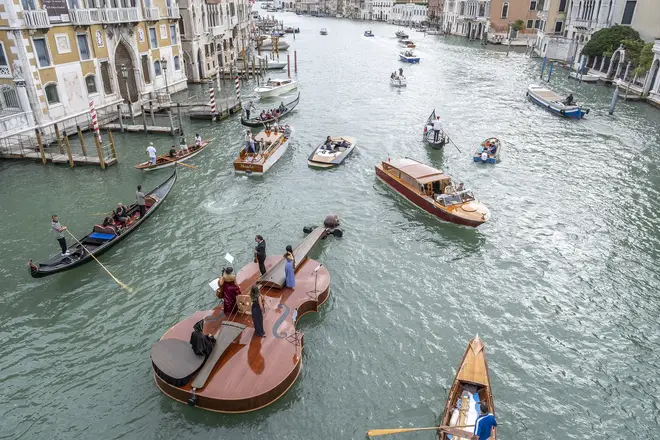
column 90, row 82
column 51, row 94
column 505, row 9
column 157, row 71
column 177, row 63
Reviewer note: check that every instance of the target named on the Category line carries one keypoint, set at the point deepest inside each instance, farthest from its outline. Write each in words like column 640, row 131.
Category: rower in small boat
column 172, row 153
column 182, row 145
column 198, row 140
column 437, row 129
column 483, row 426
column 152, row 153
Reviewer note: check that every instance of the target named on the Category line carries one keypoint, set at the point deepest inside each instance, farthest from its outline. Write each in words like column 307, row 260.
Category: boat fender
column 562, row 111
column 193, row 399
column 338, row 233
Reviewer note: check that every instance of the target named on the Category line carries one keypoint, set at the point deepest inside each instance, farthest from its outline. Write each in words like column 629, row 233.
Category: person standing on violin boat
column 257, row 311
column 289, row 268
column 228, row 290
column 260, row 253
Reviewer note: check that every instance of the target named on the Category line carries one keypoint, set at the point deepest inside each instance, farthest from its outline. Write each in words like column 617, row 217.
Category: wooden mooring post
column 68, row 149
column 144, row 120
column 41, row 146
column 99, row 150
column 178, row 111
column 112, row 145
column 82, row 140
column 288, row 65
column 169, row 116
column 295, row 61
column 59, row 139
column 151, row 111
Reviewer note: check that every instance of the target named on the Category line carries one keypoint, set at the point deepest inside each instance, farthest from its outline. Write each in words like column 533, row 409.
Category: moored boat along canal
column 560, row 283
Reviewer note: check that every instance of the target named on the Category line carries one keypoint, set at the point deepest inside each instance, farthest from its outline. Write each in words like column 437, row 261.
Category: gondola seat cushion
column 175, row 362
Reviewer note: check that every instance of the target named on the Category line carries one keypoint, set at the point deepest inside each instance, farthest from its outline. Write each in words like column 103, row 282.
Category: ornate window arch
column 52, row 94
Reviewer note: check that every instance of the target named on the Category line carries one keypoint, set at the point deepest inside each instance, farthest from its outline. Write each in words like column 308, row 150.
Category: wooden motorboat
column 408, row 56
column 407, row 43
column 488, row 151
column 272, row 145
column 429, row 135
column 165, row 160
column 276, row 87
column 368, row 34
column 102, row 238
column 292, row 30
column 398, row 81
column 471, row 386
column 554, row 103
column 245, row 372
column 433, row 191
column 401, row 34
column 324, row 31
column 342, row 147
column 256, row 122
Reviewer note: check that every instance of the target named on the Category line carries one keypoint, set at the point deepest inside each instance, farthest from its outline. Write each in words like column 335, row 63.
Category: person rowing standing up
column 152, row 153
column 483, row 426
column 172, row 152
column 198, row 140
column 57, row 229
column 437, row 128
column 139, row 198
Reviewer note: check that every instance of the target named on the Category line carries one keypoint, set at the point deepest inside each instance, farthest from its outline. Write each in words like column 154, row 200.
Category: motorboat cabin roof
column 277, row 82
column 420, row 172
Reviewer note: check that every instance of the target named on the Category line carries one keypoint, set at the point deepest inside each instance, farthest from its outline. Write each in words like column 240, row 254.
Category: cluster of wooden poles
column 63, row 145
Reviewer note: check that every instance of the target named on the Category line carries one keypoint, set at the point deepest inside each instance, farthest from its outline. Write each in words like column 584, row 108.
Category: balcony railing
column 36, row 19
column 119, row 15
column 152, row 13
column 173, row 12
column 84, row 17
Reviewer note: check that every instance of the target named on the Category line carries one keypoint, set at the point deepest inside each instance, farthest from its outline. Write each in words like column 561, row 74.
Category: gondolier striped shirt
column 484, row 426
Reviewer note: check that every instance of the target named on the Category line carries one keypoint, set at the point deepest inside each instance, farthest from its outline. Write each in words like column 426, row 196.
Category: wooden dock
column 141, row 128
column 63, row 158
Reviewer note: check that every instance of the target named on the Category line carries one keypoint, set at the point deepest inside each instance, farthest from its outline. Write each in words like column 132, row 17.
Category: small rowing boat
column 166, row 160
column 270, row 146
column 554, row 103
column 368, row 34
column 471, row 386
column 488, row 151
column 408, row 56
column 256, row 122
column 327, row 157
column 398, row 81
column 276, row 87
column 432, row 190
column 324, row 31
column 429, row 134
column 103, row 238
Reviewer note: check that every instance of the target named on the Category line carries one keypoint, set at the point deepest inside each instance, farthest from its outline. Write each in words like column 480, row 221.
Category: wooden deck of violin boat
column 98, row 243
column 431, row 190
column 261, row 162
column 165, row 160
column 251, row 372
column 471, row 385
column 328, row 159
column 256, row 122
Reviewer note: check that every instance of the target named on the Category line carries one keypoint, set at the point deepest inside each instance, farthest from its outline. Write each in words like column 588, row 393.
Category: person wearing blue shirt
column 484, row 424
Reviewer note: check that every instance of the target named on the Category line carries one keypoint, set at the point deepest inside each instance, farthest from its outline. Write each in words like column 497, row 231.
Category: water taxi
column 408, row 56
column 368, row 34
column 166, row 160
column 324, row 31
column 488, row 151
column 554, row 103
column 471, row 386
column 407, row 43
column 327, row 157
column 276, row 87
column 433, row 191
column 270, row 146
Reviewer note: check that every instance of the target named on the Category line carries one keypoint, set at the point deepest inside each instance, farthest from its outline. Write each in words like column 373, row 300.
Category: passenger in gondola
column 289, row 268
column 172, row 152
column 228, row 290
column 107, row 224
column 392, row 75
column 262, row 116
column 282, row 108
column 120, row 214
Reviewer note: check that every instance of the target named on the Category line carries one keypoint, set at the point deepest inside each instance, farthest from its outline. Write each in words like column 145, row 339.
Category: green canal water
column 561, row 283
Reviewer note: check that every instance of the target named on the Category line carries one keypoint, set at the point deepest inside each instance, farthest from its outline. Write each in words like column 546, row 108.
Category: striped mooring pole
column 95, row 121
column 238, row 88
column 212, row 96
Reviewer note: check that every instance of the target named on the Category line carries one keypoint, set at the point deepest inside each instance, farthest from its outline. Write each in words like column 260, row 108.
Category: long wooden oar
column 377, row 432
column 122, row 285
column 179, row 163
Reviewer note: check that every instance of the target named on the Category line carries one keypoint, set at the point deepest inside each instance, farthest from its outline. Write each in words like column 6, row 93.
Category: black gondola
column 98, row 242
column 429, row 135
column 256, row 122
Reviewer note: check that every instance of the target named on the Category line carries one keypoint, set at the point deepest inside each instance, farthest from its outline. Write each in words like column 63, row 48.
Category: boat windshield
column 454, row 199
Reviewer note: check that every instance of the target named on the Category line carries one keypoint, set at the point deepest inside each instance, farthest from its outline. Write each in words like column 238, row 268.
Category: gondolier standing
column 260, row 253
column 249, row 107
column 483, row 426
column 437, row 128
column 57, row 231
column 139, row 198
column 152, row 153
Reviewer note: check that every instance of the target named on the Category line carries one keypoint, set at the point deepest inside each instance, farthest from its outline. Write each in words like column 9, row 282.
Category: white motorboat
column 267, row 44
column 408, row 56
column 324, row 31
column 554, row 103
column 265, row 61
column 398, row 81
column 585, row 77
column 275, row 87
column 434, row 32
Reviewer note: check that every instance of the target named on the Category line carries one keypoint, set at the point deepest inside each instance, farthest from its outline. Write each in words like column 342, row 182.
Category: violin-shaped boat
column 245, row 372
column 101, row 238
column 165, row 160
column 325, row 156
column 256, row 122
column 432, row 190
column 270, row 146
column 470, row 387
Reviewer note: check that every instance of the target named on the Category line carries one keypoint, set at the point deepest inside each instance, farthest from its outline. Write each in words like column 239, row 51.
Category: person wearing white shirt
column 437, row 128
column 152, row 153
